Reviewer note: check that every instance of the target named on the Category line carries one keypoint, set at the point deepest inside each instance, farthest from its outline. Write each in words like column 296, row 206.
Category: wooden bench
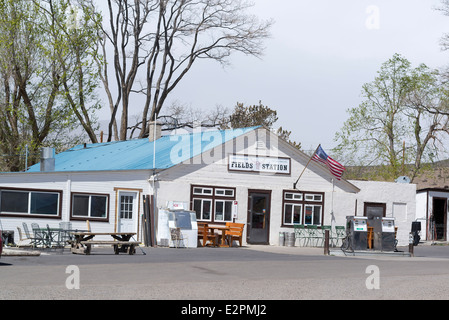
column 205, row 236
column 119, row 246
column 235, row 232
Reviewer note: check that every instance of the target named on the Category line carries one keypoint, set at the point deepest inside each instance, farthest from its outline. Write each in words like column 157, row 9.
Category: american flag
column 335, row 168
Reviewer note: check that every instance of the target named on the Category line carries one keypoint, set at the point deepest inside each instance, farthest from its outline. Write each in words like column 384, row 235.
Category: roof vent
column 47, row 159
column 403, row 179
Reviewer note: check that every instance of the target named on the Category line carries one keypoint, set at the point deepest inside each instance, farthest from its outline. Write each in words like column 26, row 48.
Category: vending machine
column 357, row 232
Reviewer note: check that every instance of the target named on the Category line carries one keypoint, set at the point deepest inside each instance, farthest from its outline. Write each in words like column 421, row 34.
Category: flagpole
column 294, row 185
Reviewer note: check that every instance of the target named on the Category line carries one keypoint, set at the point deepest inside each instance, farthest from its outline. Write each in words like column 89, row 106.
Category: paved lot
column 248, row 273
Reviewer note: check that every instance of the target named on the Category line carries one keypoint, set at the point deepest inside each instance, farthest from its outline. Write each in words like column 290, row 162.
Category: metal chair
column 39, row 236
column 22, row 239
column 177, row 236
column 312, row 233
column 33, row 239
column 64, row 235
column 340, row 234
column 65, row 225
column 300, row 232
column 53, row 237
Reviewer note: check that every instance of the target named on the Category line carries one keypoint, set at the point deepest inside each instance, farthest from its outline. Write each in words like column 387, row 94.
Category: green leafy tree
column 258, row 115
column 255, row 115
column 43, row 88
column 400, row 124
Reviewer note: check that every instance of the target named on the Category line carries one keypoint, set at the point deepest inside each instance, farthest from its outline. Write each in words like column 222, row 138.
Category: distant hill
column 436, row 175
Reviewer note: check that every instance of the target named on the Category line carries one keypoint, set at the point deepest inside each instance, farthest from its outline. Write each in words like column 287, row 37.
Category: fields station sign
column 258, row 164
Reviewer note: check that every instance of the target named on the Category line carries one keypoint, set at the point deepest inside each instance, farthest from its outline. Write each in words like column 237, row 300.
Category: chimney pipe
column 47, row 159
column 154, row 131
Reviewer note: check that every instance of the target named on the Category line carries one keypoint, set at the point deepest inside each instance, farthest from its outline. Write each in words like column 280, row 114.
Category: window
column 126, row 207
column 292, row 213
column 224, row 192
column 292, row 196
column 202, row 191
column 30, row 202
column 202, row 207
column 89, row 206
column 302, row 208
column 371, row 209
column 223, row 210
column 314, row 197
column 312, row 214
column 213, row 204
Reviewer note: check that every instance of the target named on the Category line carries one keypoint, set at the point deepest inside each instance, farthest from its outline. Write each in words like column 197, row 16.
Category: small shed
column 431, row 211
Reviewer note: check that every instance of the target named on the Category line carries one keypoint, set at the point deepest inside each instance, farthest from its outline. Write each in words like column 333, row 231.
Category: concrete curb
column 18, row 252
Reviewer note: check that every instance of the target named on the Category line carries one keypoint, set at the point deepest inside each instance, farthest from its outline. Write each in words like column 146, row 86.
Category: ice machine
column 183, row 219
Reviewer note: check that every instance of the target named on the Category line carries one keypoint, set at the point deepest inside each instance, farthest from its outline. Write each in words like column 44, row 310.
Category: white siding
column 390, row 194
column 174, row 184
column 421, row 212
column 92, row 182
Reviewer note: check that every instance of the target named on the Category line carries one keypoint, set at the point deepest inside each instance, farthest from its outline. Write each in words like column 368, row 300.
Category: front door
column 259, row 202
column 127, row 212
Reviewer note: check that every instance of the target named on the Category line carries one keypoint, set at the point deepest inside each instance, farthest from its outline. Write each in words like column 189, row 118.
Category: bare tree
column 125, row 34
column 168, row 37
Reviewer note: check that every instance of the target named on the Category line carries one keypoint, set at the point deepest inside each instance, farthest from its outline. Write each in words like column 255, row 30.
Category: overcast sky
column 320, row 54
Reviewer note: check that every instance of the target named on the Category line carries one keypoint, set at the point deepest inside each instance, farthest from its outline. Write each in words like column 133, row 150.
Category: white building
column 242, row 175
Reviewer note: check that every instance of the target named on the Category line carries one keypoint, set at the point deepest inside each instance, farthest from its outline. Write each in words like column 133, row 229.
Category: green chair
column 312, row 233
column 340, row 234
column 300, row 232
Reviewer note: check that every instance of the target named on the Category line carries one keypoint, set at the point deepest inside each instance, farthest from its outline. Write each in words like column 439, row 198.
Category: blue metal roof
column 139, row 154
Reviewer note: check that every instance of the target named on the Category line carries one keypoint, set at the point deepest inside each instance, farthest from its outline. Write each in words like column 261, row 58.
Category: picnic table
column 82, row 242
column 223, row 230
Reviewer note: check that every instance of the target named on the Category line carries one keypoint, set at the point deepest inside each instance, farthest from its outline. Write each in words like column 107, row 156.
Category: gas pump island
column 360, row 230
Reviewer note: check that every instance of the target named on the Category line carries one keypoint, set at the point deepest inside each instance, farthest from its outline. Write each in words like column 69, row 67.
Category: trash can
column 290, row 239
column 281, row 239
column 416, row 229
column 8, row 237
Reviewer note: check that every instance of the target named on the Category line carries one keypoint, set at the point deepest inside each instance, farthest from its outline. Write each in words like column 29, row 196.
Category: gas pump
column 388, row 234
column 384, row 234
column 357, row 232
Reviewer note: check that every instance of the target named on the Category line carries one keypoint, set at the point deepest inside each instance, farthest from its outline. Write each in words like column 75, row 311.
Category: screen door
column 127, row 211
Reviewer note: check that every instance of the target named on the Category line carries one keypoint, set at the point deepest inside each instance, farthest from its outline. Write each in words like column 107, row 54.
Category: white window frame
column 201, row 218
column 224, row 210
column 292, row 222
column 313, row 222
column 296, row 196
column 224, row 192
column 202, row 191
column 313, row 197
